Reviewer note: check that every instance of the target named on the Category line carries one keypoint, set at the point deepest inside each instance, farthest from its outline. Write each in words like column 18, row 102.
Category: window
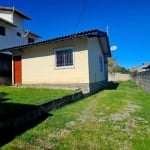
column 30, row 40
column 100, row 63
column 64, row 58
column 2, row 31
column 19, row 34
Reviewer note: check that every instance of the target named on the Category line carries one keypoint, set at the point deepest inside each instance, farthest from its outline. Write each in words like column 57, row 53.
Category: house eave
column 102, row 36
column 31, row 33
column 12, row 9
column 7, row 22
column 104, row 42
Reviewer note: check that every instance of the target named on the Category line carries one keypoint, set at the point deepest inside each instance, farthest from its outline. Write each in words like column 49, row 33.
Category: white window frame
column 62, row 49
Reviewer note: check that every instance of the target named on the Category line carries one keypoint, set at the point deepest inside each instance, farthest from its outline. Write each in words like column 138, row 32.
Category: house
column 134, row 69
column 12, row 30
column 77, row 60
column 146, row 66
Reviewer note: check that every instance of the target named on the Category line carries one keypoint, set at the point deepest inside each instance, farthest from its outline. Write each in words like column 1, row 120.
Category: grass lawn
column 31, row 96
column 116, row 119
column 16, row 100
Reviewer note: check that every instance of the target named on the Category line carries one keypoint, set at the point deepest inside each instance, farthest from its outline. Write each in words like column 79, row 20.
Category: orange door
column 17, row 70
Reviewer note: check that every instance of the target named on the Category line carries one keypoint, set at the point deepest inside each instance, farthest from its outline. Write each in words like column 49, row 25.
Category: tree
column 111, row 64
column 113, row 67
column 121, row 69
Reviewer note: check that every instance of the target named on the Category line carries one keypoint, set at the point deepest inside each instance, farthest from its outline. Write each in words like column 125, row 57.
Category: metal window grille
column 64, row 58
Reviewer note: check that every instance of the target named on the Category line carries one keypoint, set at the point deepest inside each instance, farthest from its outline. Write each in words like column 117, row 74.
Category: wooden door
column 17, row 70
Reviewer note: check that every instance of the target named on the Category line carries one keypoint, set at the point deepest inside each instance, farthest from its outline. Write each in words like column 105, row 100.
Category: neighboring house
column 78, row 60
column 146, row 66
column 12, row 30
column 134, row 69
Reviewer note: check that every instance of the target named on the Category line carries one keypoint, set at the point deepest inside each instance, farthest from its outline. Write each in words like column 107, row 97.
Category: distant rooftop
column 31, row 33
column 146, row 66
column 13, row 9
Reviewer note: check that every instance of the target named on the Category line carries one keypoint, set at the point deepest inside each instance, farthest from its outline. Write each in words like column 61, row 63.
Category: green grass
column 15, row 100
column 32, row 96
column 109, row 120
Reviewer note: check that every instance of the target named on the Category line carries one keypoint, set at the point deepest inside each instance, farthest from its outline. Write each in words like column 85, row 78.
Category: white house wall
column 18, row 21
column 11, row 38
column 95, row 51
column 38, row 64
column 7, row 15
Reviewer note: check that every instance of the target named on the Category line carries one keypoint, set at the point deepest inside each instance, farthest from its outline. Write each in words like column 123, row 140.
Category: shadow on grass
column 112, row 85
column 104, row 86
column 9, row 112
column 2, row 96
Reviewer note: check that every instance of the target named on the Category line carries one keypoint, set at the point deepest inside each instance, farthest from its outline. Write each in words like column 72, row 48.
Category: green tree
column 114, row 67
column 111, row 64
column 121, row 69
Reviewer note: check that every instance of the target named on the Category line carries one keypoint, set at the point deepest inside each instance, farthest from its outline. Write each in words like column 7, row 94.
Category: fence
column 118, row 77
column 142, row 79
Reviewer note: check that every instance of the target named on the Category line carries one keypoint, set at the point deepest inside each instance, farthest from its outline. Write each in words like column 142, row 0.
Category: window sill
column 64, row 67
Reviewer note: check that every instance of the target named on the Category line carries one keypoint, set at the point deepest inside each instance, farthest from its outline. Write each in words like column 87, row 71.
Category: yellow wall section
column 38, row 63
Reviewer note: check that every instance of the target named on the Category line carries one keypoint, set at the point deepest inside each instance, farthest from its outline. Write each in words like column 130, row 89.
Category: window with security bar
column 64, row 58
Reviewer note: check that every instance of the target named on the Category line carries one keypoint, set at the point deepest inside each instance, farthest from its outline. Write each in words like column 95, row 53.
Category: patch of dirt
column 119, row 116
column 131, row 123
column 125, row 113
column 122, row 115
column 71, row 123
column 60, row 134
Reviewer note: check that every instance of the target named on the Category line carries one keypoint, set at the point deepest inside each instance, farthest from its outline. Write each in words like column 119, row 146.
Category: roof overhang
column 31, row 33
column 102, row 37
column 146, row 66
column 105, row 45
column 7, row 22
column 12, row 9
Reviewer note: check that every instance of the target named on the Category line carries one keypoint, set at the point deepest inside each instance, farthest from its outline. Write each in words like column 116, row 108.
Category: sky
column 127, row 21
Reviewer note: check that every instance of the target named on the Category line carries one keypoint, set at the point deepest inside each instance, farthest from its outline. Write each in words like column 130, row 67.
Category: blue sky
column 128, row 22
